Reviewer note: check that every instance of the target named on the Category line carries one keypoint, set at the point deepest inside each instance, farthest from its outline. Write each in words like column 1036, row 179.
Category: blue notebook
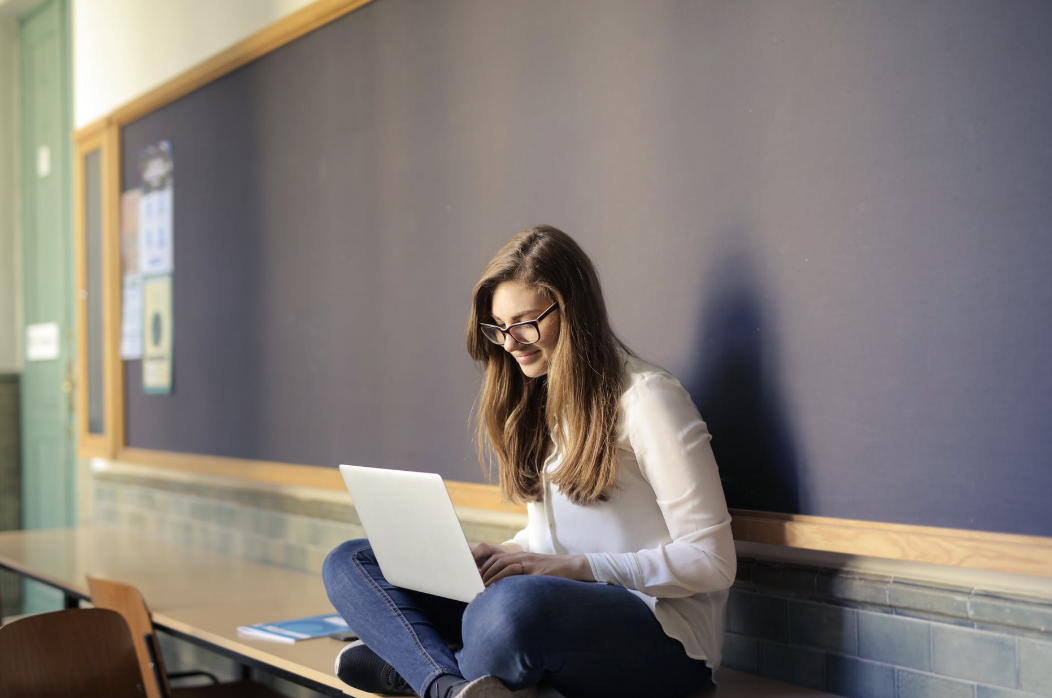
column 294, row 630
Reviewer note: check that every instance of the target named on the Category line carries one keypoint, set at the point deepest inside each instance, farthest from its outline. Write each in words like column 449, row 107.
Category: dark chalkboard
column 831, row 220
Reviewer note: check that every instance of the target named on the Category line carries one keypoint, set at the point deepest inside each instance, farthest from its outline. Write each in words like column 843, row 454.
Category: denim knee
column 503, row 626
column 341, row 556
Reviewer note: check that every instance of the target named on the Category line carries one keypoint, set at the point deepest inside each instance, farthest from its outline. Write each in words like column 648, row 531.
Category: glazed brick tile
column 784, row 578
column 913, row 684
column 741, row 653
column 894, row 640
column 870, row 591
column 827, row 627
column 792, row 665
column 974, row 654
column 944, row 601
column 857, row 678
column 759, row 616
column 982, row 691
column 1035, row 666
column 1015, row 613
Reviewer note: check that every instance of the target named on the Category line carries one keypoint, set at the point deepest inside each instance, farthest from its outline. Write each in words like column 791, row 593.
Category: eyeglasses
column 526, row 332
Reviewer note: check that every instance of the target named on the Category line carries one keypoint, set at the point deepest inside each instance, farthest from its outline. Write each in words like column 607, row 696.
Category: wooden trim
column 89, row 445
column 463, row 494
column 264, row 41
column 92, row 131
column 113, row 285
column 115, row 365
column 1000, row 552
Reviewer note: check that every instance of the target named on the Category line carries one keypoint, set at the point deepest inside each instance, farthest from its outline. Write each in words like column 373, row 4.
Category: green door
column 48, row 451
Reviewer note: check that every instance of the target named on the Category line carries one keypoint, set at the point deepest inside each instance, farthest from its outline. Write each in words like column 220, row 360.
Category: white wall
column 124, row 48
column 10, row 199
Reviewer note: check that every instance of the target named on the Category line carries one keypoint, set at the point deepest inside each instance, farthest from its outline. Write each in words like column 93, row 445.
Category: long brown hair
column 576, row 402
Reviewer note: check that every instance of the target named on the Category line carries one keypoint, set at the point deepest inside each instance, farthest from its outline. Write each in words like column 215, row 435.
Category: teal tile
column 792, row 665
column 255, row 548
column 894, row 640
column 107, row 516
column 1011, row 613
column 315, row 558
column 759, row 616
column 741, row 653
column 944, row 601
column 857, row 678
column 226, row 516
column 332, row 533
column 1035, row 666
column 199, row 510
column 784, row 578
column 982, row 691
column 912, row 684
column 974, row 654
column 853, row 589
column 296, row 529
column 244, row 520
column 936, row 618
column 295, row 557
column 270, row 524
column 1013, row 631
column 822, row 626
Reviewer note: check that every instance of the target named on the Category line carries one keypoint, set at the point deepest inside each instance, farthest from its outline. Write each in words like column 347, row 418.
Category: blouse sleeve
column 522, row 539
column 671, row 444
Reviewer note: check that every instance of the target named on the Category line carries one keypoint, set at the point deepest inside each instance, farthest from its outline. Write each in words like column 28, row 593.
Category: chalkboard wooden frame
column 97, row 138
column 1029, row 555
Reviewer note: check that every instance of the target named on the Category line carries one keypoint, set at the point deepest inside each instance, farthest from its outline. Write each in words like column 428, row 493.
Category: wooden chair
column 126, row 600
column 85, row 652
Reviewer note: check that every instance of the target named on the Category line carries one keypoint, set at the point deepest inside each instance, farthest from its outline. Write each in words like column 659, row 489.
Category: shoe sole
column 492, row 687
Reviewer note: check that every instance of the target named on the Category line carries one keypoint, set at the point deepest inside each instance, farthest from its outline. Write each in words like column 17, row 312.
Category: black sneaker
column 360, row 667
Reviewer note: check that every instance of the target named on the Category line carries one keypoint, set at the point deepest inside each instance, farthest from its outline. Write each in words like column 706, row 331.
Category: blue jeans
column 584, row 639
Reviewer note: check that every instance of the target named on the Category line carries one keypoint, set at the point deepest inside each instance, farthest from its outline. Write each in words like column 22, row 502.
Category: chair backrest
column 84, row 652
column 126, row 600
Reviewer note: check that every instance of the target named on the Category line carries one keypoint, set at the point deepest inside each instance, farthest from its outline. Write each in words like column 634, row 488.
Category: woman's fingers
column 506, row 566
column 493, row 559
column 500, row 566
column 483, row 552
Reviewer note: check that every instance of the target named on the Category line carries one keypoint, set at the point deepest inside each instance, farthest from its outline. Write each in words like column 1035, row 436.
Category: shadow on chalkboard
column 740, row 396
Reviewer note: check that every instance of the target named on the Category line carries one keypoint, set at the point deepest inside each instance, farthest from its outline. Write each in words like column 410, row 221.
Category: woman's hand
column 507, row 564
column 482, row 552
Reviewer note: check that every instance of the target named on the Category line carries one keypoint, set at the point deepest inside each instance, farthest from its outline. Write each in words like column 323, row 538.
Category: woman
column 617, row 585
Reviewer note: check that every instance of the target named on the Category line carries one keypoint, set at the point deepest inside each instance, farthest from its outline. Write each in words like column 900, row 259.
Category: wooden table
column 194, row 594
column 202, row 597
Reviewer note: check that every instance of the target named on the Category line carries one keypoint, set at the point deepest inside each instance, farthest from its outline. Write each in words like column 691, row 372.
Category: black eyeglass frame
column 505, row 331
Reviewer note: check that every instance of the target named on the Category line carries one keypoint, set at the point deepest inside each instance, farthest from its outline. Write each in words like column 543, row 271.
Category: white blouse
column 665, row 533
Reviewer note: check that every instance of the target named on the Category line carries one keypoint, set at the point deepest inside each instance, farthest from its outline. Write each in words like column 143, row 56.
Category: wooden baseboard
column 999, row 552
column 464, row 494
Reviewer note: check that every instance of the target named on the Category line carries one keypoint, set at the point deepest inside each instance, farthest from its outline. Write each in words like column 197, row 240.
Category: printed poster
column 157, row 336
column 131, row 295
column 131, row 317
column 156, row 169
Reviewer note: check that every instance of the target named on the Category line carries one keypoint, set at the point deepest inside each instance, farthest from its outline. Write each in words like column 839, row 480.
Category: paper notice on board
column 130, row 232
column 131, row 317
column 131, row 290
column 156, row 212
column 157, row 334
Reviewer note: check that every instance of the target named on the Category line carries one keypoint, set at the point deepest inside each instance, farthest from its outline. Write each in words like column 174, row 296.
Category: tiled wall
column 271, row 528
column 10, row 484
column 869, row 636
column 855, row 635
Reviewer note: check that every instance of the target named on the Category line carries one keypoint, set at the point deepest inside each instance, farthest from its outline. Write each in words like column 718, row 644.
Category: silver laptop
column 414, row 531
